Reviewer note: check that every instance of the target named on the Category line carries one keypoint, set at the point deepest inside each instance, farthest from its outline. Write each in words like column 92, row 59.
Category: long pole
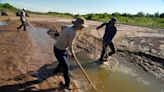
column 99, row 34
column 76, row 62
column 30, row 24
column 75, row 58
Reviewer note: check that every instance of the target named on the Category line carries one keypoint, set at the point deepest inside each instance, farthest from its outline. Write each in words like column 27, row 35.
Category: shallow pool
column 124, row 77
column 3, row 24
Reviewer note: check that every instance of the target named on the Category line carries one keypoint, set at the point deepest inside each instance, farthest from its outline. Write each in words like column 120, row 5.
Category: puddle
column 3, row 24
column 123, row 78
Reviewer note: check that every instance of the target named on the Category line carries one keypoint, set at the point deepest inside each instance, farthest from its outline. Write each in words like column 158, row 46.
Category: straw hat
column 80, row 22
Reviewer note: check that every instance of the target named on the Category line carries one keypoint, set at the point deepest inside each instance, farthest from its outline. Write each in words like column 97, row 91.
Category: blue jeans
column 61, row 56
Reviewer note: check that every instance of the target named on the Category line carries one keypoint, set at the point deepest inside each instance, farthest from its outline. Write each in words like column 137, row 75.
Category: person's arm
column 72, row 52
column 100, row 26
column 27, row 15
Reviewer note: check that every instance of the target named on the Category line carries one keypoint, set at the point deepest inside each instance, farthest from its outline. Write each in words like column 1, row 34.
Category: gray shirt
column 66, row 39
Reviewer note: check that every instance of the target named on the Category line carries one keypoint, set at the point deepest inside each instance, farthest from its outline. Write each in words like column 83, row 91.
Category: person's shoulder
column 68, row 30
column 105, row 23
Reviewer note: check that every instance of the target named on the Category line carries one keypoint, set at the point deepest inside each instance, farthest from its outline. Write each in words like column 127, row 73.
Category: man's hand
column 72, row 55
column 72, row 52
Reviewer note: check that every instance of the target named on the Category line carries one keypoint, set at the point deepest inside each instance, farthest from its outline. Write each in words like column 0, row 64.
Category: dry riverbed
column 142, row 46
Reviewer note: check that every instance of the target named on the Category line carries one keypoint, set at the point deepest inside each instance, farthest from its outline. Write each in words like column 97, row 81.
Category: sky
column 90, row 6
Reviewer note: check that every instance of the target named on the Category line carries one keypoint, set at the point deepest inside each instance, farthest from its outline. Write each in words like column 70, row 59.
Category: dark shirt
column 110, row 32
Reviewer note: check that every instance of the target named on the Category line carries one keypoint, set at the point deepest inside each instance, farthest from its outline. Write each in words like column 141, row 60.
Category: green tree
column 89, row 16
column 126, row 15
column 156, row 14
column 140, row 14
column 161, row 15
column 76, row 16
column 116, row 14
column 150, row 15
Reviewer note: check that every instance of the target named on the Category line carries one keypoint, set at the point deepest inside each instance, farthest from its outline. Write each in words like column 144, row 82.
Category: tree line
column 140, row 19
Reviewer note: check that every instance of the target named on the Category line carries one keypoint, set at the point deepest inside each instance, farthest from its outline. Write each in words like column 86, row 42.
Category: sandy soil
column 19, row 57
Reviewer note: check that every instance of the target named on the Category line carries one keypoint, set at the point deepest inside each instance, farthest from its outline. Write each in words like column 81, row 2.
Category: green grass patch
column 140, row 19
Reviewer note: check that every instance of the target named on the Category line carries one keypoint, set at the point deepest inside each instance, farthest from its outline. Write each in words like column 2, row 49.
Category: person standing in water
column 110, row 32
column 64, row 43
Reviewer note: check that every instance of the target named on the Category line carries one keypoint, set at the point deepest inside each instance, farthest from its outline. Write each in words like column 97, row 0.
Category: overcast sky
column 90, row 6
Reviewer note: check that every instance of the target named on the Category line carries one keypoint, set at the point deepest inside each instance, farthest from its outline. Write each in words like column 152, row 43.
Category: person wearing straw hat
column 110, row 32
column 64, row 43
column 23, row 19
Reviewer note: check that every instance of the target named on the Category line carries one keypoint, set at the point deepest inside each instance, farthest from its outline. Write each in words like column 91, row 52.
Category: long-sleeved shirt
column 66, row 39
column 110, row 32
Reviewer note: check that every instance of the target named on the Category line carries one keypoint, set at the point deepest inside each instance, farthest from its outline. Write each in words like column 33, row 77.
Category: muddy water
column 3, row 23
column 122, row 77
